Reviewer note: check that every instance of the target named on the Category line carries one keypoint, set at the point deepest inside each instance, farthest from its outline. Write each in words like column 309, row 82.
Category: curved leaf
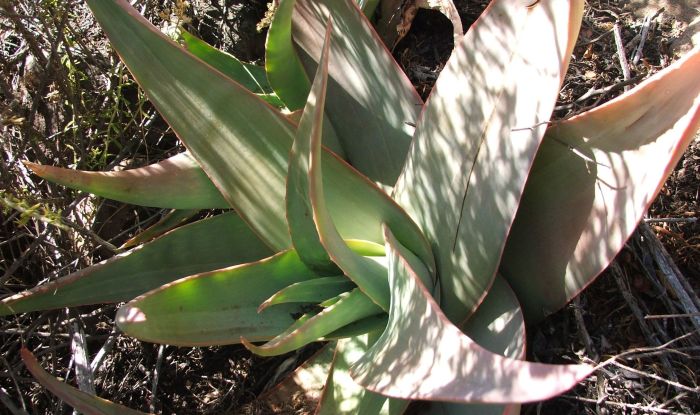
column 371, row 103
column 594, row 177
column 350, row 307
column 250, row 76
column 421, row 355
column 284, row 70
column 477, row 138
column 81, row 401
column 174, row 183
column 313, row 291
column 301, row 224
column 342, row 395
column 217, row 307
column 206, row 245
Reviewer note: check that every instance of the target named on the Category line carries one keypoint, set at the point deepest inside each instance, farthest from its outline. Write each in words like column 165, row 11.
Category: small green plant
column 417, row 238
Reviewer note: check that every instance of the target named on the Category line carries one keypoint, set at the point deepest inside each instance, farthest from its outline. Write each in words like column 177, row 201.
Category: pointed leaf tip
column 421, row 355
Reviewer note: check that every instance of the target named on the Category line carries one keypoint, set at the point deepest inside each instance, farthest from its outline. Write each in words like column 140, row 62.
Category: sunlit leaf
column 350, row 307
column 81, row 401
column 284, row 70
column 594, row 177
column 169, row 222
column 343, row 396
column 313, row 291
column 217, row 307
column 371, row 103
column 174, row 183
column 466, row 171
column 206, row 245
column 248, row 75
column 421, row 355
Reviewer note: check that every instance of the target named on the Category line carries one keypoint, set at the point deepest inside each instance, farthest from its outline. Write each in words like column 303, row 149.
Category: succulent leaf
column 174, row 183
column 499, row 88
column 84, row 402
column 350, row 307
column 342, row 395
column 594, row 177
column 217, row 307
column 313, row 291
column 302, row 228
column 209, row 244
column 370, row 102
column 421, row 355
column 250, row 76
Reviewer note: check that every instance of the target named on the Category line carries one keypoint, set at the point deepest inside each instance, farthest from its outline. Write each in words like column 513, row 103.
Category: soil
column 65, row 96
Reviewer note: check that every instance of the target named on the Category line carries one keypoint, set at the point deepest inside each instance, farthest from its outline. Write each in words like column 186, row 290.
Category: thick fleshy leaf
column 81, row 401
column 217, row 307
column 244, row 151
column 170, row 221
column 313, row 291
column 301, row 224
column 497, row 325
column 593, row 179
column 478, row 135
column 174, row 183
column 248, row 75
column 360, row 327
column 206, row 245
column 284, row 69
column 421, row 355
column 371, row 103
column 343, row 396
column 350, row 307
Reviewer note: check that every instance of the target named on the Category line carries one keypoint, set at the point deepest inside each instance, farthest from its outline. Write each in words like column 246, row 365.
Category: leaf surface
column 217, row 307
column 81, row 401
column 343, row 396
column 593, row 179
column 421, row 355
column 170, row 221
column 209, row 244
column 350, row 307
column 478, row 135
column 174, row 183
column 313, row 291
column 250, row 76
column 371, row 103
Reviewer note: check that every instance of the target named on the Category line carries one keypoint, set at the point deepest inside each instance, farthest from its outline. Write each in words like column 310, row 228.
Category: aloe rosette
column 416, row 238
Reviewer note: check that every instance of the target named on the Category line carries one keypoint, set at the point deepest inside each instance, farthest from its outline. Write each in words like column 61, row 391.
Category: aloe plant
column 419, row 252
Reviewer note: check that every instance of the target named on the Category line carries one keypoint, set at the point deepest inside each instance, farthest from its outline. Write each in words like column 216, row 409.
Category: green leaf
column 360, row 327
column 301, row 224
column 81, row 401
column 172, row 220
column 478, row 136
column 343, row 396
column 458, row 369
column 284, row 70
column 206, row 245
column 217, row 307
column 174, row 183
column 313, row 291
column 244, row 152
column 351, row 306
column 371, row 103
column 593, row 179
column 250, row 76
